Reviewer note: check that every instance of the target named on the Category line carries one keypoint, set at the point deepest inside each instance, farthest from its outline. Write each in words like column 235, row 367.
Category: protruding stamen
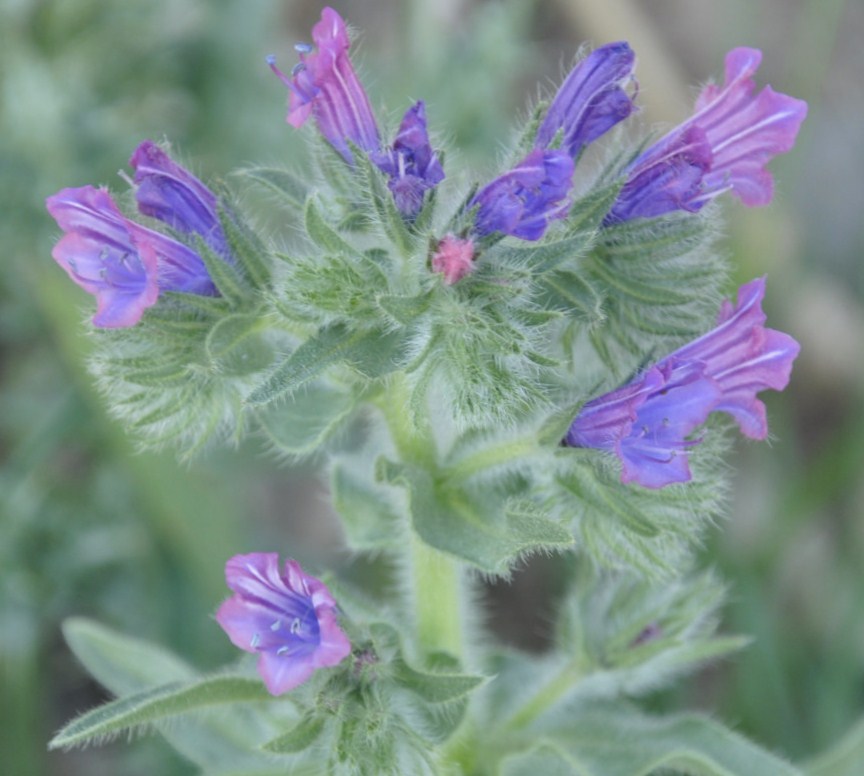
column 271, row 61
column 304, row 48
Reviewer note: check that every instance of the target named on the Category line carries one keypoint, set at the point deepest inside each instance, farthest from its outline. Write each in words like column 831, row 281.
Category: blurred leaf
column 845, row 758
column 617, row 740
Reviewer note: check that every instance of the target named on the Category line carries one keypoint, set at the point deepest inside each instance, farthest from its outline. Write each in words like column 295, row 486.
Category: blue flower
column 591, row 100
column 411, row 164
column 523, row 201
column 647, row 423
column 170, row 193
column 123, row 264
column 288, row 618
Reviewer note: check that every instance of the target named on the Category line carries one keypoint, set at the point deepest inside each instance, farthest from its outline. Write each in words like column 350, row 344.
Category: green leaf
column 368, row 515
column 545, row 257
column 405, row 309
column 324, row 235
column 386, row 212
column 573, row 293
column 481, row 532
column 220, row 743
column 435, row 688
column 283, row 182
column 227, row 278
column 616, row 740
column 155, row 705
column 369, row 351
column 301, row 424
column 845, row 758
column 121, row 663
column 588, row 212
column 299, row 738
column 235, row 345
column 248, row 249
column 607, row 499
column 543, row 760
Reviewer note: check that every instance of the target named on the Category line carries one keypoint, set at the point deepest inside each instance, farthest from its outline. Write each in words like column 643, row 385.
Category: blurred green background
column 89, row 526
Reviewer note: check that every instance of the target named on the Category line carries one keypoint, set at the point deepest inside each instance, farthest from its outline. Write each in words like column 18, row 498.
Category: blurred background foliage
column 89, row 526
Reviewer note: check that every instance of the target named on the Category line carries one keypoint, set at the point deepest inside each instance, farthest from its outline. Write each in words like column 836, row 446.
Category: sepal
column 371, row 353
column 284, row 183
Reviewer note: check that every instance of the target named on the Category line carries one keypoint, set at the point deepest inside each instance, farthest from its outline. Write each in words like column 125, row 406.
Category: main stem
column 434, row 582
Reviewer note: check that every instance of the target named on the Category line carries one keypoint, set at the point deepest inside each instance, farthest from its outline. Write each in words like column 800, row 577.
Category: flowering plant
column 499, row 339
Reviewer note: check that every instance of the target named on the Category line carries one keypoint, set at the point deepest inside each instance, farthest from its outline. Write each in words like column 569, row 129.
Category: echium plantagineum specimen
column 723, row 146
column 288, row 618
column 647, row 423
column 124, row 264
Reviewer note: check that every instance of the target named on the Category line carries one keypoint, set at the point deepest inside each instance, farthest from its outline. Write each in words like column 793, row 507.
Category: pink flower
column 454, row 258
column 647, row 423
column 323, row 84
column 724, row 146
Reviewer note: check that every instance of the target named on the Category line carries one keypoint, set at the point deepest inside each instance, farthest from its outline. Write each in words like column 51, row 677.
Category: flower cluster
column 126, row 265
column 287, row 617
column 647, row 423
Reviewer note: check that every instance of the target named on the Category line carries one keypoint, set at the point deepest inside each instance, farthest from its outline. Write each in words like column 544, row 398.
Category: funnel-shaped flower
column 647, row 422
column 325, row 85
column 592, row 99
column 288, row 618
column 170, row 193
column 122, row 264
column 523, row 201
column 725, row 146
column 411, row 164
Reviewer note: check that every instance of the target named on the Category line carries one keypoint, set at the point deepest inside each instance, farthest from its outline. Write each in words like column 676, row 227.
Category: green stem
column 437, row 598
column 434, row 583
column 548, row 695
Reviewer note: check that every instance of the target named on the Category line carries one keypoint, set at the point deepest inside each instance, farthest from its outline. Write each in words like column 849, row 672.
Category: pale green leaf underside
column 155, row 705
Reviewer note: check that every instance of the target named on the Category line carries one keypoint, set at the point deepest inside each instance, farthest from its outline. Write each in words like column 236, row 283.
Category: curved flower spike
column 170, row 193
column 724, row 146
column 591, row 100
column 122, row 264
column 324, row 84
column 523, row 201
column 287, row 618
column 412, row 165
column 647, row 423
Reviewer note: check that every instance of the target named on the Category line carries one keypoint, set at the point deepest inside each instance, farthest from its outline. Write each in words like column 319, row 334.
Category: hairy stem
column 434, row 582
column 547, row 696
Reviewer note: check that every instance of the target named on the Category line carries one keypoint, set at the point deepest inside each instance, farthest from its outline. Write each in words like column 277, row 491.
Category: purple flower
column 121, row 263
column 523, row 201
column 287, row 618
column 647, row 422
column 411, row 164
column 325, row 85
column 591, row 100
column 168, row 192
column 724, row 146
